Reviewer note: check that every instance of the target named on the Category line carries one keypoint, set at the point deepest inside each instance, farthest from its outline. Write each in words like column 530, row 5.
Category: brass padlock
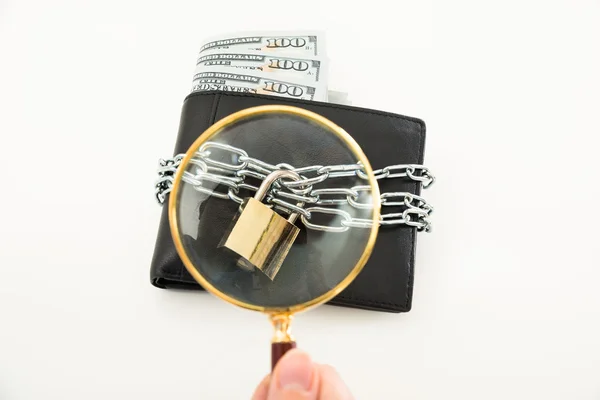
column 260, row 235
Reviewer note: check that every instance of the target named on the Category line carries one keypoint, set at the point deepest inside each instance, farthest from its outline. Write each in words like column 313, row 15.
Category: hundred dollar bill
column 297, row 43
column 314, row 68
column 228, row 79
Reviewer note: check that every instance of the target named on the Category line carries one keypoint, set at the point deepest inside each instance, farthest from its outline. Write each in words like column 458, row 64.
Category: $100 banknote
column 280, row 65
column 291, row 64
column 299, row 43
column 255, row 81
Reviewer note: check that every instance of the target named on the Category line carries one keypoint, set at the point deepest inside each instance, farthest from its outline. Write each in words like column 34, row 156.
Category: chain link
column 166, row 170
column 211, row 173
column 346, row 217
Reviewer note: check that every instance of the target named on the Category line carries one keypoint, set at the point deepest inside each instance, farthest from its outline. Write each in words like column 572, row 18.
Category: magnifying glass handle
column 282, row 339
column 278, row 350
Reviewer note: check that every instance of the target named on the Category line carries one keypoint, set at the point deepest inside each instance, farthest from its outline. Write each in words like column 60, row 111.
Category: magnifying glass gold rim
column 206, row 136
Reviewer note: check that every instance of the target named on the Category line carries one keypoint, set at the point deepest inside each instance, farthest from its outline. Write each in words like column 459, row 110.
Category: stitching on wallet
column 413, row 231
column 218, row 94
column 366, row 302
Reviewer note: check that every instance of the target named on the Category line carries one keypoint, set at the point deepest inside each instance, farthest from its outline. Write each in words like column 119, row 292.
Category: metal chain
column 166, row 170
column 285, row 194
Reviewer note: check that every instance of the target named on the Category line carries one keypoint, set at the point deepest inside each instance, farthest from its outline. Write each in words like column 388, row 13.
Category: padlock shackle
column 271, row 178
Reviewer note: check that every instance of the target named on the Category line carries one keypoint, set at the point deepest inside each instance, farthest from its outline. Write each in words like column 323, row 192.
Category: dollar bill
column 313, row 69
column 229, row 79
column 298, row 43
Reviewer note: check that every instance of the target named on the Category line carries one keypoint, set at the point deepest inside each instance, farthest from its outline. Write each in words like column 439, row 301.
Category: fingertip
column 262, row 391
column 294, row 368
column 294, row 377
column 328, row 370
column 332, row 386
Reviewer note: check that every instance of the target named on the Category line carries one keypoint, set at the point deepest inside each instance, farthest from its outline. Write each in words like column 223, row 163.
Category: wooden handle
column 278, row 350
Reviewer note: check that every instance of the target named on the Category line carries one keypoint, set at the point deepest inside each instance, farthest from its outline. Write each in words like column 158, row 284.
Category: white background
column 506, row 299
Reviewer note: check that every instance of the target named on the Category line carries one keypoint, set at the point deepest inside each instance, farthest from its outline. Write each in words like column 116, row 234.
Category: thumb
column 295, row 378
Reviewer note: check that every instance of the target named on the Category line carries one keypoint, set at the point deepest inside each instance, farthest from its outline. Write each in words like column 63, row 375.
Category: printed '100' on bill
column 313, row 68
column 307, row 44
column 257, row 82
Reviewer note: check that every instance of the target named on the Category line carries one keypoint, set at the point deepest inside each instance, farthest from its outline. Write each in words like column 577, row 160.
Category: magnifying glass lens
column 274, row 209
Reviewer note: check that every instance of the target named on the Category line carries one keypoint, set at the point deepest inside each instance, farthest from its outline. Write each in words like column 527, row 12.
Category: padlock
column 258, row 234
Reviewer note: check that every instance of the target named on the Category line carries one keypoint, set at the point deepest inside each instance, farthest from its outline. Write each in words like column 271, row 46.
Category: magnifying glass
column 274, row 209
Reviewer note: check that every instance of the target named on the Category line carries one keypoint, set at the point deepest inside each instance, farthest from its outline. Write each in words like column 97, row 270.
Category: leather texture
column 386, row 282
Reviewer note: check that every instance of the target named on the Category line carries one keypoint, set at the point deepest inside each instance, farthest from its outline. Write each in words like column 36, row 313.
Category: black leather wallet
column 386, row 282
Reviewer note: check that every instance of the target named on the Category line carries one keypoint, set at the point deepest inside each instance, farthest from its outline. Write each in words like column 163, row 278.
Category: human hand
column 296, row 377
